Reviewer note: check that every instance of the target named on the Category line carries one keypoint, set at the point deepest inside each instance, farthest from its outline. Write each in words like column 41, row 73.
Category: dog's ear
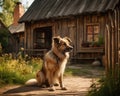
column 56, row 39
column 68, row 39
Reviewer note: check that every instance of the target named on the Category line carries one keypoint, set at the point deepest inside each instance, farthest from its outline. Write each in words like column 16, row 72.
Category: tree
column 4, row 35
column 7, row 11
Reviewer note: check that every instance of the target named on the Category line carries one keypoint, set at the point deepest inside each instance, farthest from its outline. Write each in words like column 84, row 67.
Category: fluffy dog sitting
column 54, row 63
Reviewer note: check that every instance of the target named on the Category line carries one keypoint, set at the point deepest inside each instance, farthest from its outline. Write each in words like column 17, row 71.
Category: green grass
column 77, row 72
column 107, row 86
column 84, row 70
column 18, row 71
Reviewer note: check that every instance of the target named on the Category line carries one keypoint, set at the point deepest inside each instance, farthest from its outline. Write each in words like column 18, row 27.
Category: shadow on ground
column 23, row 89
column 37, row 91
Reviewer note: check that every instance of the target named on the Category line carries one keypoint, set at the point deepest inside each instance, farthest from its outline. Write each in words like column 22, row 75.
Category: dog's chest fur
column 57, row 61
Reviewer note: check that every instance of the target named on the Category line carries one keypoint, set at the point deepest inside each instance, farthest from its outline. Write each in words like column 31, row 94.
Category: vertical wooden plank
column 105, row 59
column 117, row 43
column 28, row 37
column 56, row 28
column 64, row 28
column 31, row 40
column 72, row 33
column 118, row 38
column 59, row 28
column 84, row 30
column 81, row 25
column 118, row 35
column 78, row 34
column 102, row 24
column 107, row 48
column 53, row 28
column 25, row 36
column 113, row 42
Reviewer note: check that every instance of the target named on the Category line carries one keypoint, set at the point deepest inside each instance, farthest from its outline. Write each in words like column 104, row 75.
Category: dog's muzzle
column 69, row 49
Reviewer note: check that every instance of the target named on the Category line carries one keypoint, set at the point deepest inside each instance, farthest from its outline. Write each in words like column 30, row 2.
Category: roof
column 17, row 29
column 45, row 9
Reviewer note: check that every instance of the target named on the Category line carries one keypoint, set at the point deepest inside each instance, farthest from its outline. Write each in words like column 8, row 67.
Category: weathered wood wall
column 73, row 27
column 113, row 40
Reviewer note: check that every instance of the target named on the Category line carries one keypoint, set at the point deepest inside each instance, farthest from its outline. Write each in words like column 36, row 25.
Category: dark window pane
column 43, row 38
column 92, row 32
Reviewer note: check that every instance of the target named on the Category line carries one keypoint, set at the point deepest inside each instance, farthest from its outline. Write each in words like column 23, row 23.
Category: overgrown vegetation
column 107, row 86
column 17, row 71
column 4, row 35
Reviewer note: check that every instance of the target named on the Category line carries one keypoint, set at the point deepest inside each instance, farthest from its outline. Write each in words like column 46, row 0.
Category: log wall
column 113, row 40
column 73, row 27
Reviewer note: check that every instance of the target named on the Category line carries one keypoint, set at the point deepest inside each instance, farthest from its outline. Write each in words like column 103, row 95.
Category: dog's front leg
column 61, row 82
column 50, row 80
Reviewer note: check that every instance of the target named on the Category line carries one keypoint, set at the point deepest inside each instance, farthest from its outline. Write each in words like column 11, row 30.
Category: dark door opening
column 43, row 38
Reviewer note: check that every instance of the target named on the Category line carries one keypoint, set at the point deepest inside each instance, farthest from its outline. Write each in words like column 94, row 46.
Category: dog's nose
column 70, row 48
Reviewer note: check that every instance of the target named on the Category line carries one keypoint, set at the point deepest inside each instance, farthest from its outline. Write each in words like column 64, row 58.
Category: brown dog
column 55, row 61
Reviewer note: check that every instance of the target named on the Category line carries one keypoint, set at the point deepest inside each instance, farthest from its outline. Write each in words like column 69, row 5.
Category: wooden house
column 89, row 23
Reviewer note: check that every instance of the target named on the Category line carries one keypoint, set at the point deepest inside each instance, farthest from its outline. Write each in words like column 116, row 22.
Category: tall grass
column 17, row 71
column 107, row 86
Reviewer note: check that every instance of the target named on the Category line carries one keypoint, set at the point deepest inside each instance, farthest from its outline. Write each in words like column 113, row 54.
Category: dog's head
column 62, row 44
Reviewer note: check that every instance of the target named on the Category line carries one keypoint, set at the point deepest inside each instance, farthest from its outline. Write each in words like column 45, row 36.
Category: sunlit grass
column 77, row 72
column 18, row 71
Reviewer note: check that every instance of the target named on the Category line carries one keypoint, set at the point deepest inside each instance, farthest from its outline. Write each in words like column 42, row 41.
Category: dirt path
column 77, row 86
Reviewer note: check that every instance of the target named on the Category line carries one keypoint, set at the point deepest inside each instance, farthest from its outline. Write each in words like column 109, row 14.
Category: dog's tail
column 31, row 82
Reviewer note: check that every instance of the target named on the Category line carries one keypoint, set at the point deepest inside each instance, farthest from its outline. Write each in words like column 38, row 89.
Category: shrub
column 108, row 86
column 4, row 35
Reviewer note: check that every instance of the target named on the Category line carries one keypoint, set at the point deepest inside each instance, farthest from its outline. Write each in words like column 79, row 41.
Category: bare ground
column 76, row 85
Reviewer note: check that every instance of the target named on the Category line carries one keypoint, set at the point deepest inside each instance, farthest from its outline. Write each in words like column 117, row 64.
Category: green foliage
column 7, row 11
column 1, row 1
column 17, row 72
column 4, row 35
column 100, row 40
column 98, row 43
column 108, row 86
column 77, row 72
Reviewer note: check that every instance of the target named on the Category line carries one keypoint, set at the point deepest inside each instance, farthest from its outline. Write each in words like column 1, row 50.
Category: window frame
column 92, row 33
column 41, row 40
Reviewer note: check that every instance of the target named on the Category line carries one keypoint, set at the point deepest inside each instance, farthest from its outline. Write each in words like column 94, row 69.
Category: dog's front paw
column 56, row 84
column 52, row 88
column 63, row 88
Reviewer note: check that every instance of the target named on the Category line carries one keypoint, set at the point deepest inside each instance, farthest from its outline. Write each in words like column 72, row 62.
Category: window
column 42, row 38
column 92, row 32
